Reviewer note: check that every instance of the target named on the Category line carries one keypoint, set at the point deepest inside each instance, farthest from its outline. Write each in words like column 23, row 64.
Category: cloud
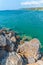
column 32, row 2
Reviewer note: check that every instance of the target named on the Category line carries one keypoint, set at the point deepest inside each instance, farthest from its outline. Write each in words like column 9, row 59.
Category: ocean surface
column 28, row 22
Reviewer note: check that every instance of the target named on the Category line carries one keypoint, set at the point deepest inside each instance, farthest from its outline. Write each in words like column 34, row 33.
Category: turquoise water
column 28, row 22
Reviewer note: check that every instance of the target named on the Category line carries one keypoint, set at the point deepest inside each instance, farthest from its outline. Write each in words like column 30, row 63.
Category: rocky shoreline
column 17, row 51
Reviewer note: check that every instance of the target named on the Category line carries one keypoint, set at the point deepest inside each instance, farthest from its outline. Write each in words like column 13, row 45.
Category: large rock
column 10, row 34
column 32, row 64
column 3, row 54
column 10, row 45
column 39, row 62
column 42, row 58
column 12, row 59
column 6, row 43
column 2, row 40
column 30, row 50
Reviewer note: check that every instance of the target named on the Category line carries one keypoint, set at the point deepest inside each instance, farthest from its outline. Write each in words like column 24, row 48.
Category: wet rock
column 30, row 50
column 12, row 59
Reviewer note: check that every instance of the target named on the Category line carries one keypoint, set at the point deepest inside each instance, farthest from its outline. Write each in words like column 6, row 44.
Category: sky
column 17, row 4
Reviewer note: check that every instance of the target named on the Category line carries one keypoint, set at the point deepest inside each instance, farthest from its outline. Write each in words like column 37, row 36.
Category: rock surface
column 19, row 51
column 30, row 50
column 13, row 39
column 12, row 59
column 3, row 54
column 42, row 58
column 39, row 62
column 2, row 40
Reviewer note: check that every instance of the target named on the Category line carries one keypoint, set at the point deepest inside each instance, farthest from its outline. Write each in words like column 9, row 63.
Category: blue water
column 28, row 22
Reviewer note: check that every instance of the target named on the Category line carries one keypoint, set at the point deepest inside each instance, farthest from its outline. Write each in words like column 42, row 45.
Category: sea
column 26, row 22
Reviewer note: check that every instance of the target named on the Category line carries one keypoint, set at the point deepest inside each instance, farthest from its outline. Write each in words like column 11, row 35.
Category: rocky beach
column 15, row 50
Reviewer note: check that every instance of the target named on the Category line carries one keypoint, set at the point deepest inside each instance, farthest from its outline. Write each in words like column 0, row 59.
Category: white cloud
column 32, row 2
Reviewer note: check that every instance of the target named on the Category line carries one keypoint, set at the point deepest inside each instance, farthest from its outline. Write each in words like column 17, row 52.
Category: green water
column 28, row 22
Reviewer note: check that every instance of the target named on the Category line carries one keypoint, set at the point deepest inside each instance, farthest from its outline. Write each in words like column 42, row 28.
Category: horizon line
column 18, row 8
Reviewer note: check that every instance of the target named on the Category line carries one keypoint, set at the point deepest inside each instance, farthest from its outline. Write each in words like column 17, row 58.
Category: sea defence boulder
column 12, row 59
column 30, row 50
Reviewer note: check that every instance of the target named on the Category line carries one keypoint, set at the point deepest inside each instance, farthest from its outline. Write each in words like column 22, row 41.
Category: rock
column 6, row 30
column 10, row 34
column 17, row 37
column 42, row 58
column 10, row 46
column 21, row 42
column 39, row 62
column 2, row 40
column 3, row 54
column 31, row 60
column 1, row 32
column 13, row 39
column 32, row 64
column 30, row 50
column 12, row 59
